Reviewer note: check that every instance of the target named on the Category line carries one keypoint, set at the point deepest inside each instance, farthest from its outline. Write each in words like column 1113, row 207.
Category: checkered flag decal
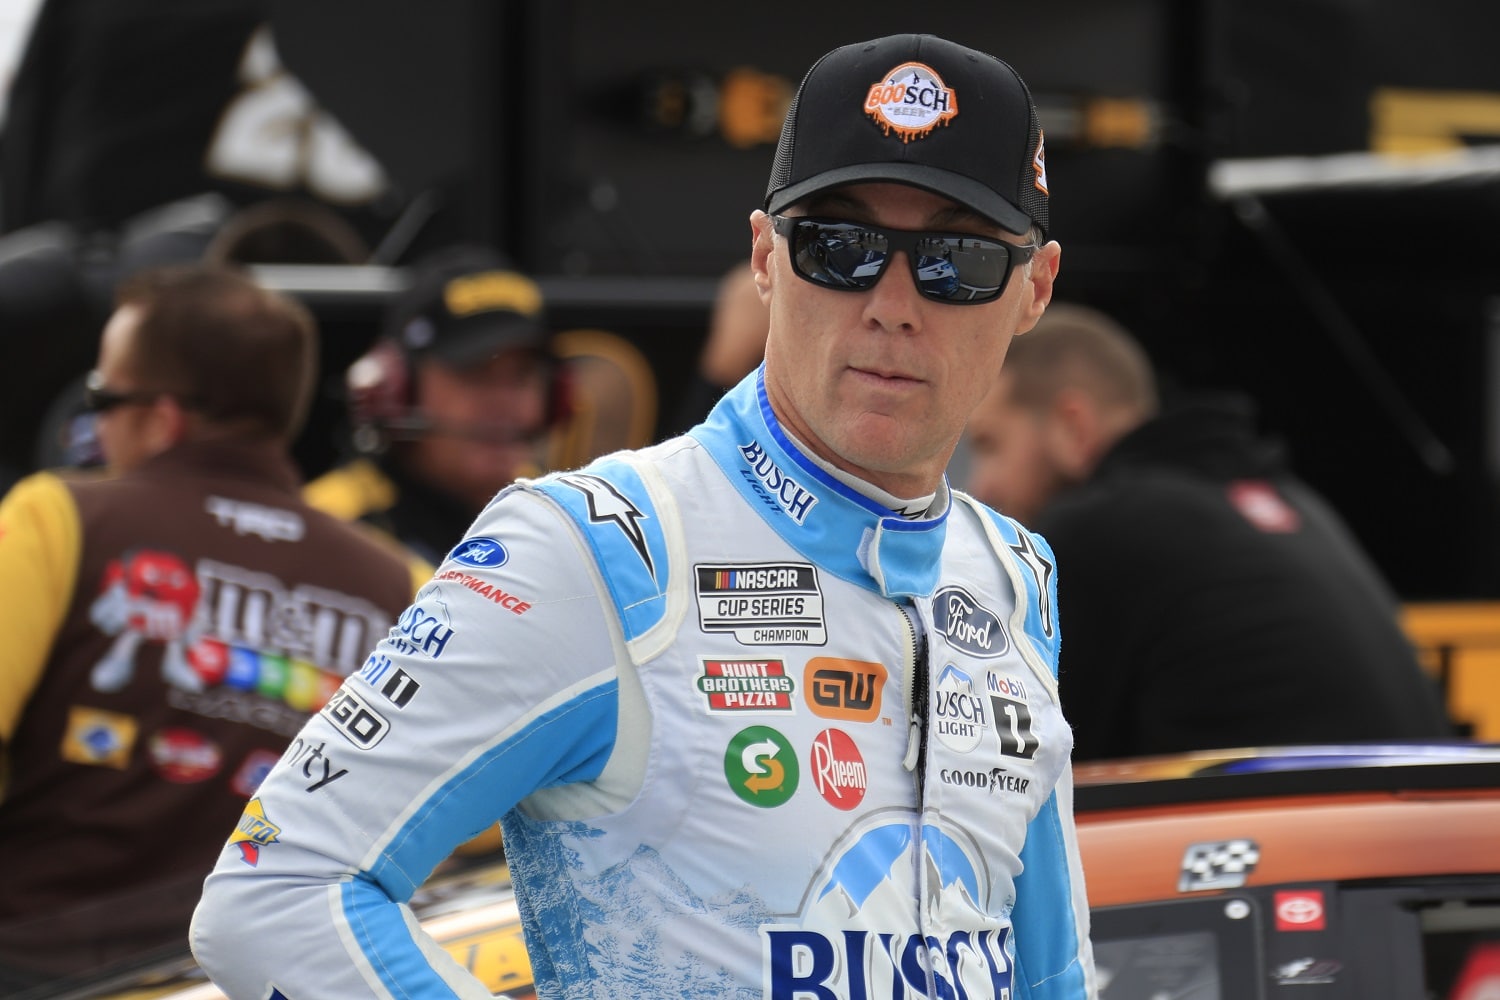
column 1220, row 864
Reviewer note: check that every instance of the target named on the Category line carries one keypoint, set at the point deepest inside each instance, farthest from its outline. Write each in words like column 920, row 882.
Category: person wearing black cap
column 766, row 709
column 454, row 402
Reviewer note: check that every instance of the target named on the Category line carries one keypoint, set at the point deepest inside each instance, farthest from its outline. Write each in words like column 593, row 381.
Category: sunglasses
column 958, row 268
column 98, row 398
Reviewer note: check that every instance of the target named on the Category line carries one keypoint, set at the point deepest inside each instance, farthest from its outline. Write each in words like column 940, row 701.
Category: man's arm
column 1054, row 957
column 498, row 681
column 40, row 539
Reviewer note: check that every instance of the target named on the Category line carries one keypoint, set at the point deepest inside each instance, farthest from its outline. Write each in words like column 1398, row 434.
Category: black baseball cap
column 918, row 110
column 465, row 305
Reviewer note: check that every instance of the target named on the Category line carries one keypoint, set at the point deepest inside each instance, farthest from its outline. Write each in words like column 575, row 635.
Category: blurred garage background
column 1298, row 198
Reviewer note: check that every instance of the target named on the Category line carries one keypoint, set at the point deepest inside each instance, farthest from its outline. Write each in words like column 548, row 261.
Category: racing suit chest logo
column 792, row 498
column 968, row 625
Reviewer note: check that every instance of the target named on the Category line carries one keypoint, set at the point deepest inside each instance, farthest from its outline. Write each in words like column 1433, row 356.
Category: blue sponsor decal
column 481, row 553
column 967, row 624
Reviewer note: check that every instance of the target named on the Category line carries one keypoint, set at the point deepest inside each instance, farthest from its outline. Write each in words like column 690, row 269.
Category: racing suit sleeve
column 40, row 542
column 1054, row 956
column 498, row 681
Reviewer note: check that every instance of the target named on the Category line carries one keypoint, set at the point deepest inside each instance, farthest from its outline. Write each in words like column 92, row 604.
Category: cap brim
column 965, row 191
column 483, row 337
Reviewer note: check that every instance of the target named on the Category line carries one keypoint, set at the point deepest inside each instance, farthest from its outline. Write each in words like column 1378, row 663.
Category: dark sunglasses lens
column 956, row 269
column 99, row 400
column 838, row 255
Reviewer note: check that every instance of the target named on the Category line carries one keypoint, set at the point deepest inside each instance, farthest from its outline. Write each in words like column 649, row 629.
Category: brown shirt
column 211, row 612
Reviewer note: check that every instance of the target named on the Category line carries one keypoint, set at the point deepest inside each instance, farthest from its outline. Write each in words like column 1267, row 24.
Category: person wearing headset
column 455, row 401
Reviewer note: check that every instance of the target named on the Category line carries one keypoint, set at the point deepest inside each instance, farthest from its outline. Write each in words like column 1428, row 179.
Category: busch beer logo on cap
column 911, row 101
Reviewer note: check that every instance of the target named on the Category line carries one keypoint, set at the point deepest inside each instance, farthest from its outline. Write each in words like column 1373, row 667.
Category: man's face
column 132, row 432
column 881, row 382
column 487, row 424
column 1012, row 465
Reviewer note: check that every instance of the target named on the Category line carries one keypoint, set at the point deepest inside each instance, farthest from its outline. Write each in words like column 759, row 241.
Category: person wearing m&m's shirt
column 169, row 625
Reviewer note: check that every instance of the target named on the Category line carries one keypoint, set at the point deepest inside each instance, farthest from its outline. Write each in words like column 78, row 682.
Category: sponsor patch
column 911, row 100
column 1309, row 971
column 481, row 553
column 959, row 713
column 838, row 769
column 1012, row 717
column 252, row 771
column 1259, row 503
column 424, row 628
column 1041, row 573
column 762, row 603
column 313, row 762
column 968, row 625
column 510, row 602
column 1300, row 910
column 746, row 686
column 360, row 724
column 254, row 832
column 835, row 945
column 607, row 505
column 780, row 492
column 99, row 738
column 270, row 523
column 397, row 686
column 761, row 767
column 184, row 756
column 995, row 780
column 1218, row 864
column 836, row 688
column 251, row 610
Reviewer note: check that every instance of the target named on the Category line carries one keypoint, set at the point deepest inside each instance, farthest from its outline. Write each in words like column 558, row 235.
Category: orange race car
column 1358, row 872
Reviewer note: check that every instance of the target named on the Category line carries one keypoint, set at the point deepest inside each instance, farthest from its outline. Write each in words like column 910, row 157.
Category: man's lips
column 884, row 375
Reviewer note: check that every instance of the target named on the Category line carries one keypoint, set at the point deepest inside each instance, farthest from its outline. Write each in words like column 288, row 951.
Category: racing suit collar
column 837, row 527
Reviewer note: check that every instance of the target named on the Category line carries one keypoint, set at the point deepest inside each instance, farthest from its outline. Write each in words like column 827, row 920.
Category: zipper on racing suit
column 914, row 682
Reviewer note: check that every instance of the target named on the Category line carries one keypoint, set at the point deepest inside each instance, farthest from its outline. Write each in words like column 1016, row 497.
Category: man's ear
column 167, row 424
column 762, row 242
column 1041, row 280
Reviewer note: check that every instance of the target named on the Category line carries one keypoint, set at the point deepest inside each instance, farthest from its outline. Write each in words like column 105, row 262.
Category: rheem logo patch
column 838, row 769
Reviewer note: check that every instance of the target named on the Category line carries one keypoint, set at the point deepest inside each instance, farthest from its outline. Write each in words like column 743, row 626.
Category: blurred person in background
column 168, row 626
column 457, row 399
column 736, row 343
column 1213, row 599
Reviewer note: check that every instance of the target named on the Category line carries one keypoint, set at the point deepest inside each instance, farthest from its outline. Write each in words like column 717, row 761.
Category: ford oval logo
column 481, row 553
column 967, row 624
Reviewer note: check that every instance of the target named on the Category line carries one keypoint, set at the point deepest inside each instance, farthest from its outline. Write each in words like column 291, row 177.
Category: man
column 1213, row 599
column 454, row 402
column 768, row 710
column 170, row 628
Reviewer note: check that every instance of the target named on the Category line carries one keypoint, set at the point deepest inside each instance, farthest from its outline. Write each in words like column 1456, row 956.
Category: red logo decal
column 1300, row 910
column 1260, row 504
column 746, row 686
column 838, row 769
column 183, row 756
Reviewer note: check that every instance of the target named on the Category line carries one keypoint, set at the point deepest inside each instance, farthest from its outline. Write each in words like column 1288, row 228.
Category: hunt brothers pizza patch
column 746, row 685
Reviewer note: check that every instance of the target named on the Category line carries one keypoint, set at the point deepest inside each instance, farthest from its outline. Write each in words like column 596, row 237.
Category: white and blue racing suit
column 750, row 733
